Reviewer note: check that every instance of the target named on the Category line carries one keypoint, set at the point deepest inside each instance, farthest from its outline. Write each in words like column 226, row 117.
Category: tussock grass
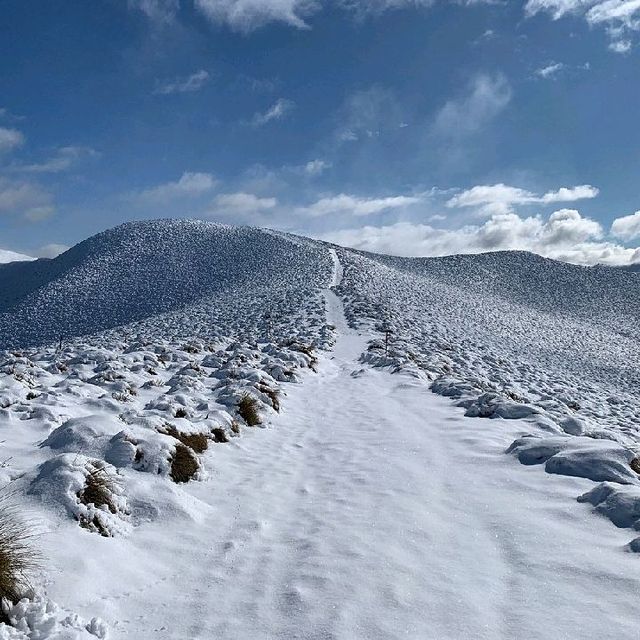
column 98, row 490
column 219, row 435
column 18, row 557
column 248, row 410
column 635, row 465
column 181, row 412
column 198, row 442
column 184, row 464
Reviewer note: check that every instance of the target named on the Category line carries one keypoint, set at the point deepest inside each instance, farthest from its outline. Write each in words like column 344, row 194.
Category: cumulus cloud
column 63, row 159
column 501, row 198
column 25, row 199
column 188, row 186
column 353, row 205
column 565, row 235
column 617, row 16
column 484, row 99
column 279, row 110
column 10, row 139
column 627, row 227
column 186, row 84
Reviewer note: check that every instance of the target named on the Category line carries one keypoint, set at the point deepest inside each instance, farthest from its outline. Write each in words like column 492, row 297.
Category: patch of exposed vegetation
column 184, row 464
column 181, row 412
column 18, row 558
column 99, row 491
column 635, row 465
column 219, row 434
column 198, row 442
column 248, row 410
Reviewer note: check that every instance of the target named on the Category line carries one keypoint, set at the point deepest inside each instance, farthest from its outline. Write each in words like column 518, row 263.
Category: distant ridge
column 140, row 269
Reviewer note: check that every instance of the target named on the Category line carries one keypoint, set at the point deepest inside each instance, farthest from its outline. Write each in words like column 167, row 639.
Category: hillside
column 142, row 269
column 133, row 441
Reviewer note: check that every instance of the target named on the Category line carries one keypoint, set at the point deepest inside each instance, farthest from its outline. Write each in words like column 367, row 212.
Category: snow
column 393, row 487
column 11, row 256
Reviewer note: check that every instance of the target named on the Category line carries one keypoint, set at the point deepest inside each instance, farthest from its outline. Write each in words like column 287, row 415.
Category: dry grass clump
column 18, row 559
column 635, row 465
column 98, row 490
column 181, row 412
column 235, row 427
column 248, row 410
column 198, row 442
column 184, row 464
column 219, row 434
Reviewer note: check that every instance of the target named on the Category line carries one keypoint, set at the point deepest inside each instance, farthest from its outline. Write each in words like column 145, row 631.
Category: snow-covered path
column 372, row 510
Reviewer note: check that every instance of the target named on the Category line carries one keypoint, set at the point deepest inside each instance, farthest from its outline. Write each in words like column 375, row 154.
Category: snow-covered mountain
column 144, row 355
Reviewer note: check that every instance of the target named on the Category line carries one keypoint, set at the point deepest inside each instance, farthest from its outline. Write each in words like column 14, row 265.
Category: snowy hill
column 141, row 269
column 134, row 444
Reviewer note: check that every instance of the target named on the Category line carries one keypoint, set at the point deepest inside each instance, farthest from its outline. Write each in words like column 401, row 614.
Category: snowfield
column 137, row 366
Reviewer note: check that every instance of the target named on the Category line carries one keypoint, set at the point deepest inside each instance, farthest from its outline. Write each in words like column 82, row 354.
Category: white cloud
column 617, row 16
column 485, row 98
column 550, row 70
column 10, row 139
column 63, row 159
column 188, row 186
column 565, row 235
column 570, row 194
column 501, row 198
column 567, row 226
column 242, row 203
column 627, row 227
column 347, row 204
column 24, row 199
column 247, row 15
column 277, row 111
column 620, row 46
column 186, row 84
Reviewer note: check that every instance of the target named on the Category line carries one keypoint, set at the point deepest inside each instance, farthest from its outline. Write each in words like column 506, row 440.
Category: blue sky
column 417, row 128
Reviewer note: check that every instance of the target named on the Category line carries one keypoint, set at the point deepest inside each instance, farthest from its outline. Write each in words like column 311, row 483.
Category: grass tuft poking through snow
column 248, row 410
column 99, row 490
column 18, row 558
column 184, row 464
column 219, row 434
column 198, row 442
